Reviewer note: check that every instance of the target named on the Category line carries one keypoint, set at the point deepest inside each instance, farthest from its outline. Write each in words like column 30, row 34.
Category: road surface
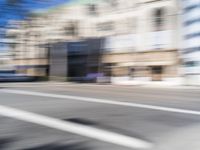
column 62, row 116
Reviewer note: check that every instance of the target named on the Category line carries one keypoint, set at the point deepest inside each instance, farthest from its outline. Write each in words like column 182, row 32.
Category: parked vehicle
column 13, row 77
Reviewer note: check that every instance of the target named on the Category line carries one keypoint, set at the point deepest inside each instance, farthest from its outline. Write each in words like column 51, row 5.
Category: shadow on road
column 6, row 142
column 57, row 146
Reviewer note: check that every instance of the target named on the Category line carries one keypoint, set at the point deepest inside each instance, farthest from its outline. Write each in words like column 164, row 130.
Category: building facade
column 141, row 37
column 28, row 56
column 142, row 40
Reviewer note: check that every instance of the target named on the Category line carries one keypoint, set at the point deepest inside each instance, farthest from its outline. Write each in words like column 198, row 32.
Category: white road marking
column 104, row 101
column 83, row 130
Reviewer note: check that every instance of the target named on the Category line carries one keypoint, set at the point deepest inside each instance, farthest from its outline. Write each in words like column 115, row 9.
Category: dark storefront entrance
column 84, row 60
column 157, row 73
column 77, row 61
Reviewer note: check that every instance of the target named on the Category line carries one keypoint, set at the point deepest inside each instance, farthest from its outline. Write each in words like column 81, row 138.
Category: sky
column 8, row 12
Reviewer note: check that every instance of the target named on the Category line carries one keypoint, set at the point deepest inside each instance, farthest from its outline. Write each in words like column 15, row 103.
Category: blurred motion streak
column 113, row 41
column 83, row 130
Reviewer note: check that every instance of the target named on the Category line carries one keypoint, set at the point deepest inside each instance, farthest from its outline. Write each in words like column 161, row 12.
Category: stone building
column 28, row 56
column 141, row 37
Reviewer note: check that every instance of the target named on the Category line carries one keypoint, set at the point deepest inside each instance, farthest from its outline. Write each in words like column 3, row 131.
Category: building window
column 105, row 26
column 157, row 69
column 113, row 3
column 71, row 29
column 132, row 24
column 192, row 63
column 159, row 18
column 92, row 9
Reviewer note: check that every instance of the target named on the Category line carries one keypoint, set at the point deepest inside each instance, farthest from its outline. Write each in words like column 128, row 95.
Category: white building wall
column 191, row 41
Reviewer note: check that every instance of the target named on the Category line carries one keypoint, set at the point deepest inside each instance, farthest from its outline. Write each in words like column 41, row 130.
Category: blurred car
column 12, row 77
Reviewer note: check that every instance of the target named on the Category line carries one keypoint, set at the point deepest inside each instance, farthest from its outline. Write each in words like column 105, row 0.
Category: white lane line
column 83, row 130
column 104, row 101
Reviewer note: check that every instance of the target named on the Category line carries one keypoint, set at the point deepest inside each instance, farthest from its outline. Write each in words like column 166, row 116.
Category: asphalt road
column 106, row 117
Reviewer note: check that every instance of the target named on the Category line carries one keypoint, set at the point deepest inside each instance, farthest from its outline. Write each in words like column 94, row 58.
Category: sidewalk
column 54, row 83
